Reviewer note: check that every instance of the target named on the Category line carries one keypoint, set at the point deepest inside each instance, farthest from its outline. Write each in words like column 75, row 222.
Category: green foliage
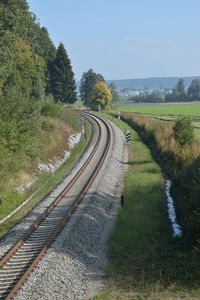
column 12, row 199
column 47, row 125
column 194, row 90
column 184, row 132
column 88, row 81
column 25, row 52
column 179, row 90
column 154, row 97
column 15, row 17
column 113, row 89
column 20, row 68
column 19, row 121
column 62, row 78
column 178, row 93
column 187, row 191
column 26, row 55
column 50, row 109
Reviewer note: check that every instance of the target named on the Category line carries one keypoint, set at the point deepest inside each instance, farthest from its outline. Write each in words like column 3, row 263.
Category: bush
column 47, row 125
column 50, row 109
column 183, row 132
column 187, row 190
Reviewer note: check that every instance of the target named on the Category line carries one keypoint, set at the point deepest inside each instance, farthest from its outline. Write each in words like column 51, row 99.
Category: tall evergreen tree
column 88, row 81
column 179, row 91
column 63, row 83
column 194, row 90
column 112, row 87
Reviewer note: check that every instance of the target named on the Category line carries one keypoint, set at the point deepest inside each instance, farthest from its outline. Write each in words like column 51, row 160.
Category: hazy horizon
column 125, row 39
column 153, row 77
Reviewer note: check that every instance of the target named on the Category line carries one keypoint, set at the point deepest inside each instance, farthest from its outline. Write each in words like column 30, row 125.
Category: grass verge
column 146, row 262
column 44, row 184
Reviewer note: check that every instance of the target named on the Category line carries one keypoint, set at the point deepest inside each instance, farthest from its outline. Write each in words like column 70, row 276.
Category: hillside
column 154, row 82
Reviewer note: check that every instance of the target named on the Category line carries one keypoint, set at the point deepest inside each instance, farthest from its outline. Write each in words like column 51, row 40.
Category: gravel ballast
column 74, row 266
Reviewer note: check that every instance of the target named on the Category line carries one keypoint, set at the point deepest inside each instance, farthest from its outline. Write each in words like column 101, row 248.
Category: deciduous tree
column 101, row 95
column 88, row 81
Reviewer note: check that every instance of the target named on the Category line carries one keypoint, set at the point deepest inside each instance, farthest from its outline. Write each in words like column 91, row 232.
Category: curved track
column 20, row 261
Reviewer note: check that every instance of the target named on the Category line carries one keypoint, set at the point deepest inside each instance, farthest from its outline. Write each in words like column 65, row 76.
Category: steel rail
column 31, row 236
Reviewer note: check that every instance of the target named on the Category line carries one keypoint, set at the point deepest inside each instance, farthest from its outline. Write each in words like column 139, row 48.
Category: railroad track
column 23, row 257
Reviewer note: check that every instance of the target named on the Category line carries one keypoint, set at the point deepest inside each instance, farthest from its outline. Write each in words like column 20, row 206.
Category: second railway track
column 20, row 261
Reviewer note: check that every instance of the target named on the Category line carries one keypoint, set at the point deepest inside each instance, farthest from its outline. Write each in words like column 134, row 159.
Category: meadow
column 167, row 112
column 192, row 110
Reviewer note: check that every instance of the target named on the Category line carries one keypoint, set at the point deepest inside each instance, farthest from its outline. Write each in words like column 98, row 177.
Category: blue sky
column 124, row 39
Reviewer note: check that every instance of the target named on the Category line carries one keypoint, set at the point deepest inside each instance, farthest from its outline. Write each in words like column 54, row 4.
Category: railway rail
column 23, row 257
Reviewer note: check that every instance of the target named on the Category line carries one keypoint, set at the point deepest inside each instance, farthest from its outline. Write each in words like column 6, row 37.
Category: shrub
column 187, row 190
column 47, row 125
column 50, row 109
column 183, row 131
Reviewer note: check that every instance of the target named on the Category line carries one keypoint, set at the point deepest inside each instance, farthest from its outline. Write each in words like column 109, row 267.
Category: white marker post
column 119, row 117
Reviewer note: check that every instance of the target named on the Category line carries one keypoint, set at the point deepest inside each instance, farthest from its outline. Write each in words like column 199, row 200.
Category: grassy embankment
column 146, row 262
column 52, row 141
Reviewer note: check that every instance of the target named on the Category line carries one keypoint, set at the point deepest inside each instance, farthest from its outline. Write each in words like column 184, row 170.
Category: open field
column 192, row 110
column 167, row 112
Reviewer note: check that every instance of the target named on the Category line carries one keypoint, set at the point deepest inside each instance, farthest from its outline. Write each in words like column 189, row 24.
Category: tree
column 15, row 17
column 62, row 77
column 88, row 81
column 19, row 27
column 184, row 131
column 154, row 97
column 179, row 91
column 20, row 68
column 101, row 95
column 113, row 89
column 194, row 90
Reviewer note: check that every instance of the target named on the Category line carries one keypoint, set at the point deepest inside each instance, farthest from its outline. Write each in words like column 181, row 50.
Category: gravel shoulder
column 74, row 267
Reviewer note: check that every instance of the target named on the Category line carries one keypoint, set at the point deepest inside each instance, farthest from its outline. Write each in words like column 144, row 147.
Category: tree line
column 36, row 77
column 179, row 94
column 95, row 93
column 31, row 70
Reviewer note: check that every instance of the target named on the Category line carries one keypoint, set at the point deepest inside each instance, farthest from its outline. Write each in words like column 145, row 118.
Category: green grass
column 44, row 183
column 146, row 262
column 170, row 113
column 178, row 110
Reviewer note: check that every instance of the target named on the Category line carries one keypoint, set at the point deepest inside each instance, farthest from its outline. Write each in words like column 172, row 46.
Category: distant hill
column 154, row 82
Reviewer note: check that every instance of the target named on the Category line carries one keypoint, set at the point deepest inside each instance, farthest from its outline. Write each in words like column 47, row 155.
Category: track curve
column 20, row 261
